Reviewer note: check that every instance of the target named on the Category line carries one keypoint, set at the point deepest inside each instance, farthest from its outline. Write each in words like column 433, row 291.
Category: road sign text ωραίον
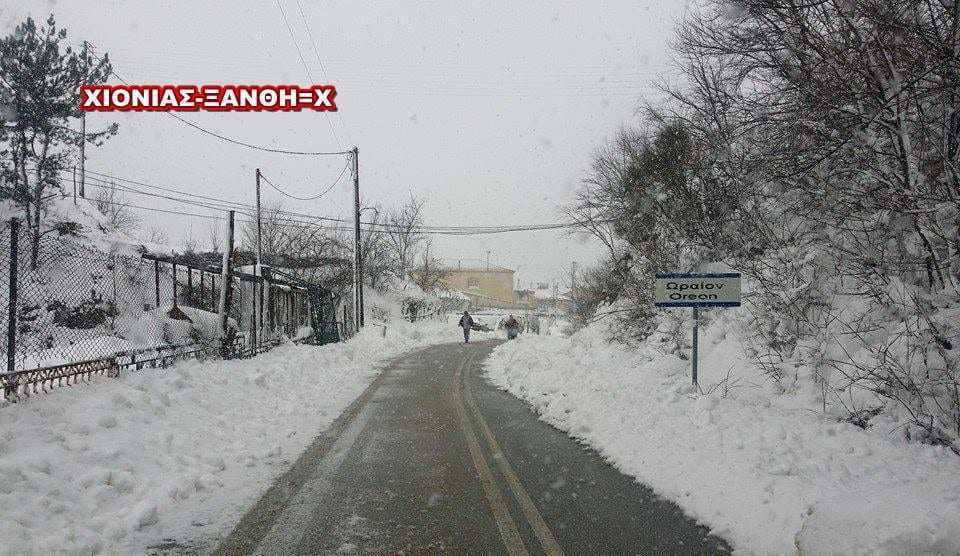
column 697, row 290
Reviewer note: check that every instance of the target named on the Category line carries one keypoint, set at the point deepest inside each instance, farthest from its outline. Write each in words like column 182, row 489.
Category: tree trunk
column 38, row 206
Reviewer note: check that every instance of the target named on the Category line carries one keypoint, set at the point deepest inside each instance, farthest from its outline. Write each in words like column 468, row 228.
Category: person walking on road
column 512, row 326
column 466, row 322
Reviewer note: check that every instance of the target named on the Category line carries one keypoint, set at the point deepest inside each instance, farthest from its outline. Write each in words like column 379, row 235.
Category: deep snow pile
column 403, row 299
column 86, row 299
column 762, row 468
column 121, row 464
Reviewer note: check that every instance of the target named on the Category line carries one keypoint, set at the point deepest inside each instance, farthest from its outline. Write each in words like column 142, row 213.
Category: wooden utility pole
column 258, row 317
column 225, row 270
column 358, row 313
column 259, row 227
column 83, row 156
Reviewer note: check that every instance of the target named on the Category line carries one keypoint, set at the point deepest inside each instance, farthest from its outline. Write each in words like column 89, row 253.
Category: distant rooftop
column 468, row 264
column 491, row 268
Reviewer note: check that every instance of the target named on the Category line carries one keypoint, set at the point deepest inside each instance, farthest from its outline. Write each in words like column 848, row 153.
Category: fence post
column 190, row 300
column 696, row 339
column 156, row 282
column 113, row 272
column 254, row 328
column 271, row 307
column 174, row 274
column 12, row 304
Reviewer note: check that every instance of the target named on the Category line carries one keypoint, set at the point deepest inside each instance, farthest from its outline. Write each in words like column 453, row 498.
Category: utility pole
column 259, row 244
column 258, row 318
column 83, row 156
column 224, row 304
column 358, row 314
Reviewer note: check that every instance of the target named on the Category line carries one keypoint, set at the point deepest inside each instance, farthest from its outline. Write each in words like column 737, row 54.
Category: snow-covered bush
column 815, row 149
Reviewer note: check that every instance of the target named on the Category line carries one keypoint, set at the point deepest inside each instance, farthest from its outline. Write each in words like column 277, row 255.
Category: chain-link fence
column 74, row 308
column 70, row 302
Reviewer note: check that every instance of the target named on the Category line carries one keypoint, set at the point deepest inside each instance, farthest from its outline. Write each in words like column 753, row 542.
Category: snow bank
column 762, row 469
column 121, row 464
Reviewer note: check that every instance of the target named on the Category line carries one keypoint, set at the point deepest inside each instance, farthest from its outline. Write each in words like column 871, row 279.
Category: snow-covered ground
column 763, row 469
column 121, row 464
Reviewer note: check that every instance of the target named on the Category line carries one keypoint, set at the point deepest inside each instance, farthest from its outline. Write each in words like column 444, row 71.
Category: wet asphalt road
column 431, row 459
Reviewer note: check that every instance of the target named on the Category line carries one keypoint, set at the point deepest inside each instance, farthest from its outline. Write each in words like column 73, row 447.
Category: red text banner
column 214, row 98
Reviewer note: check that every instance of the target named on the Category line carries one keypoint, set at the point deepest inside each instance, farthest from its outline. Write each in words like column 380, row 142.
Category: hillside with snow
column 91, row 294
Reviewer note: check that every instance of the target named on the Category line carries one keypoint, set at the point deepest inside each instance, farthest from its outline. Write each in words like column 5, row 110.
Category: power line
column 222, row 202
column 308, row 226
column 106, row 185
column 296, row 44
column 332, row 185
column 109, row 180
column 103, row 178
column 294, row 39
column 312, row 198
column 161, row 188
column 198, row 215
column 308, row 219
column 257, row 147
column 323, row 69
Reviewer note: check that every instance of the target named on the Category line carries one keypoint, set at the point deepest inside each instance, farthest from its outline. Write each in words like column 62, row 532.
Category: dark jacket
column 466, row 321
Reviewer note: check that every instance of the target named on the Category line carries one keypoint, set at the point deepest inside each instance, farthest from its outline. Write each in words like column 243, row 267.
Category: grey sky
column 490, row 111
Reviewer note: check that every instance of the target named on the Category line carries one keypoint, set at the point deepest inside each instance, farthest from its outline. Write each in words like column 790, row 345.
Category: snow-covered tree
column 41, row 76
column 815, row 146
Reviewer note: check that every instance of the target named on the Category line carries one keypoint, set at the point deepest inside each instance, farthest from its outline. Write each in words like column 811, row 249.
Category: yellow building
column 486, row 287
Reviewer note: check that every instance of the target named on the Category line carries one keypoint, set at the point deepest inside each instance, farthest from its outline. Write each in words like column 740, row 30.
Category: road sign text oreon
column 697, row 290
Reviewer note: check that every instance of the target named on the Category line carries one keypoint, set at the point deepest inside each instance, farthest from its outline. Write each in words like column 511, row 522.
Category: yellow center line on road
column 501, row 512
column 534, row 518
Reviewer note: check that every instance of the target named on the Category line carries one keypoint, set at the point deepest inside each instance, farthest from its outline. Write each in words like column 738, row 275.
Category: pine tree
column 41, row 77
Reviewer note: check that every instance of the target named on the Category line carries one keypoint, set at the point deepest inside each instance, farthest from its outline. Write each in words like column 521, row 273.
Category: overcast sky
column 489, row 111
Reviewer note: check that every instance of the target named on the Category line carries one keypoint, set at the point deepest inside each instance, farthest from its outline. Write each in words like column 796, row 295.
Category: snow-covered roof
column 544, row 293
column 452, row 294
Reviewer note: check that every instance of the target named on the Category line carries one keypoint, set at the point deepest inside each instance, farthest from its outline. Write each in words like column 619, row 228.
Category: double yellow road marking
column 492, row 492
column 501, row 513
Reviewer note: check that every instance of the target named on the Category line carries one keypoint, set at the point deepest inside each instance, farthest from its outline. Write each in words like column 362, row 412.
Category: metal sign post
column 696, row 335
column 697, row 291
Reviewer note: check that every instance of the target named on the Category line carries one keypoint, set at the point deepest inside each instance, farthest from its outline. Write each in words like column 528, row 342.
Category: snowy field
column 765, row 470
column 117, row 466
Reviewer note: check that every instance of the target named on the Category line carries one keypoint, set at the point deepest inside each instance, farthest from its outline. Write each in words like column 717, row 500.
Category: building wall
column 494, row 284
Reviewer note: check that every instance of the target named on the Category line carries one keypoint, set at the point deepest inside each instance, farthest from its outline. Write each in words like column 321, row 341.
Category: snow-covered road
column 436, row 461
column 117, row 466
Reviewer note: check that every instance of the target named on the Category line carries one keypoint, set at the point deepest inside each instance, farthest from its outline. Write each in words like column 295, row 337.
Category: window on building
column 473, row 282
